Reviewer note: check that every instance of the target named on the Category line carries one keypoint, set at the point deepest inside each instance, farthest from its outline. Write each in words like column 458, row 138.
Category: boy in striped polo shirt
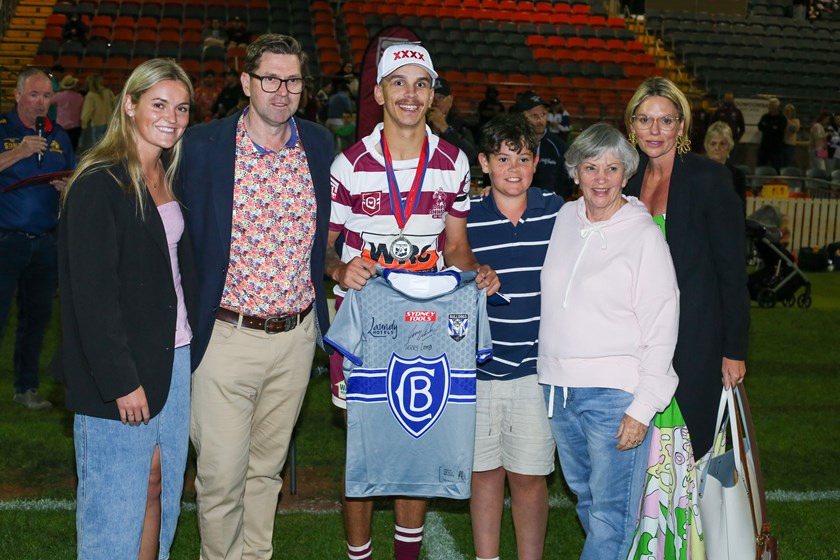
column 509, row 229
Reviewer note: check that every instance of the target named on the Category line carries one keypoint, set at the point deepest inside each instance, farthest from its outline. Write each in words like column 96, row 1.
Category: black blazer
column 207, row 172
column 705, row 232
column 118, row 302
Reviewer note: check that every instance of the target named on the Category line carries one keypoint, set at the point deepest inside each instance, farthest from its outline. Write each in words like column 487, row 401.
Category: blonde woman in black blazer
column 125, row 275
column 704, row 227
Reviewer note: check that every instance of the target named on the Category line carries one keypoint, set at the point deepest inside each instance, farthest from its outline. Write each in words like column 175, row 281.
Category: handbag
column 733, row 509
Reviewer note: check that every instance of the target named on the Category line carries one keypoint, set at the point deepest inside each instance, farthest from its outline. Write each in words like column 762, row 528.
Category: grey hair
column 27, row 73
column 596, row 141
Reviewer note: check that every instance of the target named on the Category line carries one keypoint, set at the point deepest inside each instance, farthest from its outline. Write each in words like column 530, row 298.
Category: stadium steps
column 19, row 44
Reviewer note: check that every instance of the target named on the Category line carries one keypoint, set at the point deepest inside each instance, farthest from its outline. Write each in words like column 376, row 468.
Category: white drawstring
column 551, row 399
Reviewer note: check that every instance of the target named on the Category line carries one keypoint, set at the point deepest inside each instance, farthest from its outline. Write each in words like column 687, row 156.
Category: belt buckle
column 289, row 323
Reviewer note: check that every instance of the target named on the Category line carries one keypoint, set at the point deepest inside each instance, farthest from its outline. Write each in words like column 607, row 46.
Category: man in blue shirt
column 28, row 217
column 509, row 229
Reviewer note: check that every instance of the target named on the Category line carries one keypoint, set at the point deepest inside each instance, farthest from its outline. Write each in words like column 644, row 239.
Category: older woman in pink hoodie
column 610, row 310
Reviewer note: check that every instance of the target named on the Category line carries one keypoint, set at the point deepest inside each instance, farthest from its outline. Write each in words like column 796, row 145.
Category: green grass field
column 793, row 383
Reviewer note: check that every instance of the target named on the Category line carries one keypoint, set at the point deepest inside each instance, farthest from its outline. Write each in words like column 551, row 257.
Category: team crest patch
column 438, row 204
column 418, row 390
column 371, row 202
column 459, row 324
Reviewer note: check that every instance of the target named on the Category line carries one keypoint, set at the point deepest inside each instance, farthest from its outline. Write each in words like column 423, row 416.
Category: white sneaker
column 32, row 400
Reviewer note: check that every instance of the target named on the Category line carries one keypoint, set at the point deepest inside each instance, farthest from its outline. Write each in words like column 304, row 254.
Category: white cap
column 401, row 54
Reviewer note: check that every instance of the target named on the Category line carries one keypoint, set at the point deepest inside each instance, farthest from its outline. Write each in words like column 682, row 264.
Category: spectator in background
column 214, row 35
column 28, row 218
column 206, row 94
column 834, row 144
column 551, row 151
column 559, row 120
column 340, row 111
column 96, row 112
column 791, row 133
column 444, row 122
column 817, row 142
column 323, row 98
column 351, row 79
column 719, row 143
column 772, row 126
column 68, row 103
column 229, row 95
column 731, row 115
column 490, row 106
column 74, row 29
column 237, row 33
column 55, row 76
column 700, row 120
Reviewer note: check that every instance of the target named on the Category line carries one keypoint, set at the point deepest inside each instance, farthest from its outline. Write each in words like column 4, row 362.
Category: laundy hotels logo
column 420, row 316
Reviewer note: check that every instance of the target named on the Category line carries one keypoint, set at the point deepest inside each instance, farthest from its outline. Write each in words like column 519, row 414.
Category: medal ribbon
column 403, row 209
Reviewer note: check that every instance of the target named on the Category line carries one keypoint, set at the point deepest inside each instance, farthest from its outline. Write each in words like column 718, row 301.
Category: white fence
column 813, row 222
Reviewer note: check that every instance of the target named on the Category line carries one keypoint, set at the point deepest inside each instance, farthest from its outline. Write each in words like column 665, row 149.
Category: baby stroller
column 777, row 277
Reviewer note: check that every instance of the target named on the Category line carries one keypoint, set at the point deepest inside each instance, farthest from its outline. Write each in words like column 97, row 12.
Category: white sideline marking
column 554, row 502
column 437, row 541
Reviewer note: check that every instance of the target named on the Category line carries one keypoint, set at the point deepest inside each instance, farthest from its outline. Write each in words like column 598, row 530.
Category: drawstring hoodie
column 584, row 233
column 610, row 309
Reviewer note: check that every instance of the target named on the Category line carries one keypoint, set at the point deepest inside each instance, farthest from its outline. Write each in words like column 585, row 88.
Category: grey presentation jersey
column 410, row 343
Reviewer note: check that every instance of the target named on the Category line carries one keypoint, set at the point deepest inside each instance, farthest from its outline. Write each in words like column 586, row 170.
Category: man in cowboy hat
column 68, row 103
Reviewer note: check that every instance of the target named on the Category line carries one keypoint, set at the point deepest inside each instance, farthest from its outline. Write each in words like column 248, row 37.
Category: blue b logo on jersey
column 418, row 390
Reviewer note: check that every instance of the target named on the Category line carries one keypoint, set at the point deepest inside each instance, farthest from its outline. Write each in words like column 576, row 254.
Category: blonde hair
column 120, row 141
column 719, row 129
column 662, row 87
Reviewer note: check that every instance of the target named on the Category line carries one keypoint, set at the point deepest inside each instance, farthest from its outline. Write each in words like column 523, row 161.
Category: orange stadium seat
column 576, row 42
column 191, row 37
column 596, row 44
column 170, row 24
column 53, row 32
column 56, row 19
column 579, row 20
column 123, row 35
column 615, row 45
column 597, row 21
column 616, row 22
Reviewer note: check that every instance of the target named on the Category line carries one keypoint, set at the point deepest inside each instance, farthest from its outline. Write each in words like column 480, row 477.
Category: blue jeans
column 608, row 483
column 113, row 461
column 28, row 267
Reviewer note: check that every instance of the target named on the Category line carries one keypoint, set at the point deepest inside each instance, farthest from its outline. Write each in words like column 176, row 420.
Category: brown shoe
column 32, row 400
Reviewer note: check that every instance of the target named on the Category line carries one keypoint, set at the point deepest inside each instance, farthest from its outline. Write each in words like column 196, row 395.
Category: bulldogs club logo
column 417, row 391
column 459, row 324
column 371, row 203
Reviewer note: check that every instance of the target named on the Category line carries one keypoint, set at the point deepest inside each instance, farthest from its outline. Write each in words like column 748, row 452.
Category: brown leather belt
column 269, row 325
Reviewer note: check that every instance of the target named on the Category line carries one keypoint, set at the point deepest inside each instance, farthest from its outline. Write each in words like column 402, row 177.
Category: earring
column 683, row 144
column 632, row 138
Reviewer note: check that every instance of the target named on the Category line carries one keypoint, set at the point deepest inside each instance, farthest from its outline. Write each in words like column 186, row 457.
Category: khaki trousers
column 246, row 397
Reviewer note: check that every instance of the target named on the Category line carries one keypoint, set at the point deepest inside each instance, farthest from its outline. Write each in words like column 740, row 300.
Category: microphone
column 40, row 123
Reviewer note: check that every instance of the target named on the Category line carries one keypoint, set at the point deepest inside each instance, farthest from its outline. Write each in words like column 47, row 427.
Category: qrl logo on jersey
column 370, row 203
column 421, row 316
column 418, row 390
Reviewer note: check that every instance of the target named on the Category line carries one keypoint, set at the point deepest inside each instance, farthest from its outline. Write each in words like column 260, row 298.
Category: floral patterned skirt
column 668, row 527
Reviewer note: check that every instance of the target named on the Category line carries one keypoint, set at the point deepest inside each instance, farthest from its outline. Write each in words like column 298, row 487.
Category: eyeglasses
column 270, row 84
column 666, row 122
